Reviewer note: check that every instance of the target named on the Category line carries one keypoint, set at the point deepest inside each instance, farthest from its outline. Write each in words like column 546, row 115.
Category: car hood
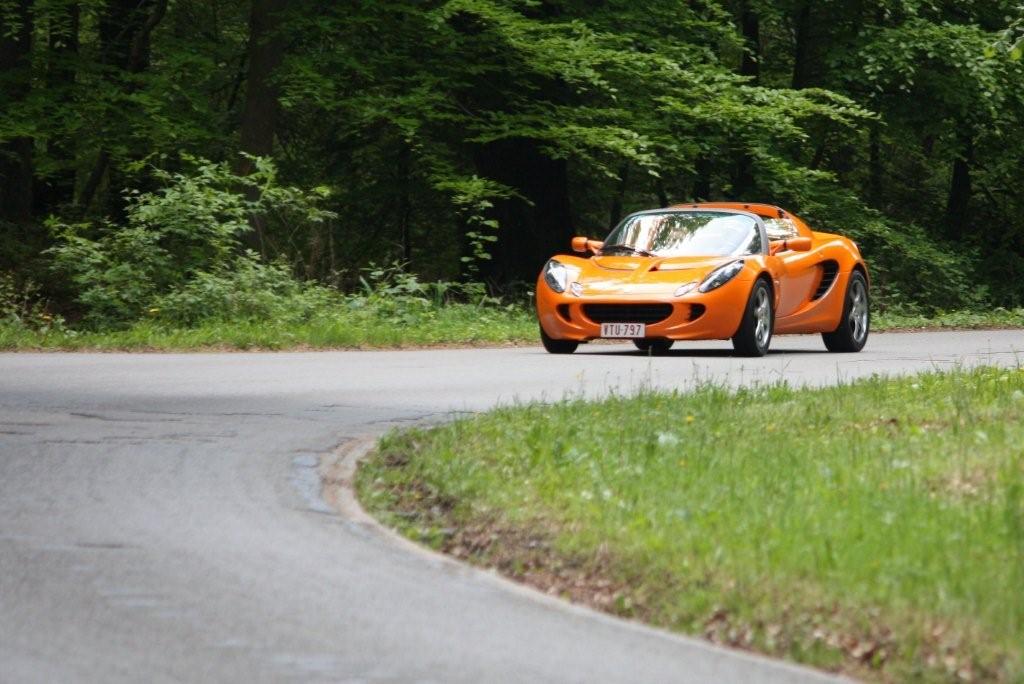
column 643, row 275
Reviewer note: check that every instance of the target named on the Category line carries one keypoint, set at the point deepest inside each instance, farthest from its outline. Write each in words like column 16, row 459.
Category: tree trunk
column 266, row 51
column 405, row 201
column 125, row 30
column 61, row 73
column 260, row 110
column 659, row 190
column 750, row 25
column 615, row 213
column 802, row 49
column 960, row 189
column 702, row 183
column 16, row 168
column 530, row 231
column 125, row 27
column 875, row 169
column 743, row 177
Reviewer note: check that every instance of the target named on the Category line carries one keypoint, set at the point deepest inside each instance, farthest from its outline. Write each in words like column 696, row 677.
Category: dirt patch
column 526, row 554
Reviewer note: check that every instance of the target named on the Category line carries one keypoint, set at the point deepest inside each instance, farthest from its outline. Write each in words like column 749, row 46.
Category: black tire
column 854, row 326
column 554, row 346
column 654, row 347
column 755, row 333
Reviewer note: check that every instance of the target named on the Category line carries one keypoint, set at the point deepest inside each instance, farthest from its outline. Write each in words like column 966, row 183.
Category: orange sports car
column 711, row 271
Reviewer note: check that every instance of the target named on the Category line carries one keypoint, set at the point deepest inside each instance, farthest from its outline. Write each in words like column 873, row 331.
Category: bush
column 915, row 273
column 911, row 269
column 251, row 291
column 21, row 306
column 180, row 242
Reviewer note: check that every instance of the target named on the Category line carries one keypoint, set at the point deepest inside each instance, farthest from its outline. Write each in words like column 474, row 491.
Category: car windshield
column 685, row 233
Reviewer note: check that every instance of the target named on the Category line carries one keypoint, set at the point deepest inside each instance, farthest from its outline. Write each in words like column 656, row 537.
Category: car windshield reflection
column 684, row 233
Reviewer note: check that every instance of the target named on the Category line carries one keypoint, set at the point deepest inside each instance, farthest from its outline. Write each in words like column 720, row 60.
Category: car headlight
column 720, row 276
column 685, row 289
column 556, row 275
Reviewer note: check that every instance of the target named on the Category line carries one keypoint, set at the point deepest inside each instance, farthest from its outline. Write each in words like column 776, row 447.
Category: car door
column 798, row 271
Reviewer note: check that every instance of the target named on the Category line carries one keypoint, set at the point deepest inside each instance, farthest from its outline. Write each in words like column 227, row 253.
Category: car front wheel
column 852, row 333
column 554, row 346
column 755, row 333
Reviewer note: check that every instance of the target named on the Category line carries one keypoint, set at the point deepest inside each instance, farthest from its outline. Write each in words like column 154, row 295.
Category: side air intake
column 829, row 271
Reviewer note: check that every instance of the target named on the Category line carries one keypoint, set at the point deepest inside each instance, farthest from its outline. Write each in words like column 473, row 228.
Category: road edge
column 337, row 472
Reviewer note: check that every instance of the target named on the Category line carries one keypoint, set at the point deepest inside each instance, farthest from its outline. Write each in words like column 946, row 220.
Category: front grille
column 829, row 271
column 627, row 313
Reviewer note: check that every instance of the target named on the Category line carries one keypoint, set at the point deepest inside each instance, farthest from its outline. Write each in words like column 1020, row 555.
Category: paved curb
column 337, row 475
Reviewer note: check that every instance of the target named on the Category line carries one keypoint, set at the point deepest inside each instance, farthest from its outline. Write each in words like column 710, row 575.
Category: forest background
column 179, row 163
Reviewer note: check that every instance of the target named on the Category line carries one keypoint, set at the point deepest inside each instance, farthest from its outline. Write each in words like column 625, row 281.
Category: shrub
column 911, row 268
column 252, row 290
column 22, row 307
column 178, row 242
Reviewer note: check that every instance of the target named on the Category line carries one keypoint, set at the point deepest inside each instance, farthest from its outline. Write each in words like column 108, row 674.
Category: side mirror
column 584, row 245
column 797, row 244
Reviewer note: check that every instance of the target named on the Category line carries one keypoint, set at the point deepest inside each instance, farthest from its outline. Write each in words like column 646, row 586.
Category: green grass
column 875, row 529
column 992, row 318
column 451, row 324
column 454, row 324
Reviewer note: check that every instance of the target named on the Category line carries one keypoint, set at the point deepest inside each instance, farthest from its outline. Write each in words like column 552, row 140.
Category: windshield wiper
column 634, row 250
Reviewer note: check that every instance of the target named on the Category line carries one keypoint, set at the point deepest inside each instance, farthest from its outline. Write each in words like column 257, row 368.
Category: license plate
column 623, row 330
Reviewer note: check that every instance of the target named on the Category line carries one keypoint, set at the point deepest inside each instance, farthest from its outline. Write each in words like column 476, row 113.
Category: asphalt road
column 160, row 517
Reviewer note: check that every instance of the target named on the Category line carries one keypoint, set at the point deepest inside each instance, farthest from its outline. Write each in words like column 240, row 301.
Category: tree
column 259, row 115
column 125, row 29
column 471, row 138
column 16, row 171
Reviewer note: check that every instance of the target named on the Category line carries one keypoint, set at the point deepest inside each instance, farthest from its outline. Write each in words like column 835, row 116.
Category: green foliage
column 906, row 318
column 469, row 139
column 1012, row 38
column 21, row 307
column 249, row 291
column 872, row 528
column 473, row 197
column 363, row 320
column 182, row 247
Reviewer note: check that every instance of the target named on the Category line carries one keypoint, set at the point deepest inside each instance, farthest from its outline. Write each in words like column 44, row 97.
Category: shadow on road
column 700, row 353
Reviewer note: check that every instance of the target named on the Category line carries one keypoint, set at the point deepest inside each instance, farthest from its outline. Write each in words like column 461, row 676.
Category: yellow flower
column 690, row 419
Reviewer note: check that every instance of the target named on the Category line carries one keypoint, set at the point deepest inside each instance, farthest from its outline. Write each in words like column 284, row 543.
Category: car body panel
column 808, row 286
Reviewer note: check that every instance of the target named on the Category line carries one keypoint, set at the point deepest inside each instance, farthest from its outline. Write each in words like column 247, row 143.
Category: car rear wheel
column 554, row 346
column 852, row 333
column 653, row 346
column 755, row 333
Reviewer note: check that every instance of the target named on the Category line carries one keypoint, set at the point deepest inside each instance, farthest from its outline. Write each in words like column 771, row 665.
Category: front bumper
column 715, row 315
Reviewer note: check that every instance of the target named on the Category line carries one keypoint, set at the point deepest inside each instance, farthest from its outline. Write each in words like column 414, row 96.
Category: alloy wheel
column 858, row 311
column 762, row 318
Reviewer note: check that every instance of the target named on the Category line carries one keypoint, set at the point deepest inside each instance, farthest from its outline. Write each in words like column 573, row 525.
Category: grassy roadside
column 875, row 529
column 949, row 320
column 452, row 324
